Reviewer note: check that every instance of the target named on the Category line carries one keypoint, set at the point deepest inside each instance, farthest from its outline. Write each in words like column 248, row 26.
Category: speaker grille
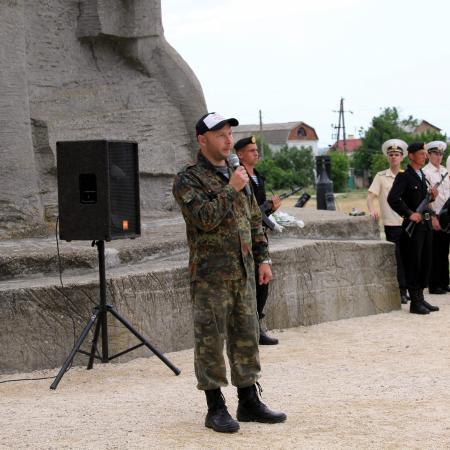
column 124, row 182
column 98, row 190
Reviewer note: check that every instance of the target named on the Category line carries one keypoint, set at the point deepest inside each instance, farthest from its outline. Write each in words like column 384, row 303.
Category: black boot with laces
column 417, row 306
column 264, row 338
column 218, row 417
column 426, row 304
column 252, row 409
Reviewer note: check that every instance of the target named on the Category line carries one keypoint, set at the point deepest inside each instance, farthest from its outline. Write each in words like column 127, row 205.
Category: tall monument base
column 334, row 268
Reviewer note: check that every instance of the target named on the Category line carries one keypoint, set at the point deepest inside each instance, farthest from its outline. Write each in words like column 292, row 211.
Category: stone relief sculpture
column 88, row 69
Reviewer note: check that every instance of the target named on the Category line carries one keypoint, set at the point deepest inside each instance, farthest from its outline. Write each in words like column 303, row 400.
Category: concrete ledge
column 162, row 235
column 320, row 281
column 321, row 224
column 315, row 281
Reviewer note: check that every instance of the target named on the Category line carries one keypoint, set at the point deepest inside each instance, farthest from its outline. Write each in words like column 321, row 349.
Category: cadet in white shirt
column 439, row 278
column 395, row 150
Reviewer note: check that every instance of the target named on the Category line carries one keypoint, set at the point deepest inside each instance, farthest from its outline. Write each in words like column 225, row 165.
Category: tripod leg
column 75, row 349
column 174, row 369
column 94, row 342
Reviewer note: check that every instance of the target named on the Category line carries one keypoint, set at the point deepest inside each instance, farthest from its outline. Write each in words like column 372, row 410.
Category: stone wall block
column 314, row 281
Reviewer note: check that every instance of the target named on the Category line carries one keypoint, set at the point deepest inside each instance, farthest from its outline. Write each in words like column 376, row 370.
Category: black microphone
column 235, row 163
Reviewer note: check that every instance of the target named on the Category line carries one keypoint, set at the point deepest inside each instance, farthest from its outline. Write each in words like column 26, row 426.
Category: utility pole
column 341, row 124
column 261, row 137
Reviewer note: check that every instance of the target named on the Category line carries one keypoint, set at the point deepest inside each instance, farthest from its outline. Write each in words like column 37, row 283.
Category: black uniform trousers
column 393, row 234
column 439, row 277
column 416, row 256
column 262, row 292
column 408, row 191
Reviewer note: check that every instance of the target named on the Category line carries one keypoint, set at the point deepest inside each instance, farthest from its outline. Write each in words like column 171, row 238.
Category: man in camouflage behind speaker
column 394, row 150
column 247, row 151
column 225, row 237
column 409, row 189
column 434, row 170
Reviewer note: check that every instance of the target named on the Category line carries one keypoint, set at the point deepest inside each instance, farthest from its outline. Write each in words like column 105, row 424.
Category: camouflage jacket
column 223, row 227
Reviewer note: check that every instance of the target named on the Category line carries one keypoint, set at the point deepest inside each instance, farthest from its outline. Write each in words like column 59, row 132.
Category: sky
column 295, row 59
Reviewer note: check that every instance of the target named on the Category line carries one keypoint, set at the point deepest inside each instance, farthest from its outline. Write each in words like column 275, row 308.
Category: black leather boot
column 264, row 338
column 252, row 409
column 218, row 417
column 426, row 304
column 417, row 306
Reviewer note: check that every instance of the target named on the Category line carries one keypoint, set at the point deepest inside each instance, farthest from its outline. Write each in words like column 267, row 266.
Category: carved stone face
column 130, row 19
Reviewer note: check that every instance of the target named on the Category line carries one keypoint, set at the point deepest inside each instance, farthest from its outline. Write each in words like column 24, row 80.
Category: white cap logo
column 212, row 120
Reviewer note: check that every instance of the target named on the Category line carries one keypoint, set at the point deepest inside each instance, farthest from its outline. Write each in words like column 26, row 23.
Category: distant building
column 277, row 135
column 422, row 127
column 351, row 144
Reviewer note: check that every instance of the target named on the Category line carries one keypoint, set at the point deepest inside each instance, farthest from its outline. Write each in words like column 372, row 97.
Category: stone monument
column 88, row 69
column 101, row 69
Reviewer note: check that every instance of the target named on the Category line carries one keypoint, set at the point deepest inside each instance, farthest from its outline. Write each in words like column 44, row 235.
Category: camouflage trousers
column 225, row 311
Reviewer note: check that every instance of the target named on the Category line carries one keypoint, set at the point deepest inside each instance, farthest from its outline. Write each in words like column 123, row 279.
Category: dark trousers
column 393, row 234
column 262, row 292
column 439, row 265
column 416, row 256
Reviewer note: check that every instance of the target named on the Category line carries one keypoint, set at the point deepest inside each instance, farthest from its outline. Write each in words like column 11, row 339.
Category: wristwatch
column 267, row 261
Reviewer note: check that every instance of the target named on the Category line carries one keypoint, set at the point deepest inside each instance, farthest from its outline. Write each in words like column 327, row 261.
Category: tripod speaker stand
column 99, row 317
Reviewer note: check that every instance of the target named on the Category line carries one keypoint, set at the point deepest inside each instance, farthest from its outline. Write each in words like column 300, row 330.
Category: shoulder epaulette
column 186, row 167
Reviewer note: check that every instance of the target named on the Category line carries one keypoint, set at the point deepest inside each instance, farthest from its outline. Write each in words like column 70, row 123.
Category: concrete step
column 315, row 280
column 162, row 235
column 39, row 256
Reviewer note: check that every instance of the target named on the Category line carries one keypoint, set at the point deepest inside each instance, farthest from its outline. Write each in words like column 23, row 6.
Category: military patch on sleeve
column 188, row 196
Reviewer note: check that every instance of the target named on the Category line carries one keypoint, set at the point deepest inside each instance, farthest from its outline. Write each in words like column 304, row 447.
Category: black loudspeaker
column 98, row 190
column 302, row 200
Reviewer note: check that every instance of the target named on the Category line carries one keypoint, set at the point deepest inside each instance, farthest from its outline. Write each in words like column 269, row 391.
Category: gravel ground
column 376, row 382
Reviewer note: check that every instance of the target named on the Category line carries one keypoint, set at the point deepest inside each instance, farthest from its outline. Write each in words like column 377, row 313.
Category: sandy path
column 375, row 382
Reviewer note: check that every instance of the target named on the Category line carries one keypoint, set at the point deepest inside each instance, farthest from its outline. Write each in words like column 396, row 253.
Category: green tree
column 379, row 162
column 298, row 163
column 383, row 127
column 339, row 170
column 288, row 167
column 388, row 125
column 275, row 176
column 264, row 151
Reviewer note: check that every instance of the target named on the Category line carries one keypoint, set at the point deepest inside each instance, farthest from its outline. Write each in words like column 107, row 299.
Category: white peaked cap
column 436, row 145
column 394, row 145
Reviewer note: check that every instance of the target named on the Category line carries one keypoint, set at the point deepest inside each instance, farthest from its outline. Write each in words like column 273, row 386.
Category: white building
column 276, row 135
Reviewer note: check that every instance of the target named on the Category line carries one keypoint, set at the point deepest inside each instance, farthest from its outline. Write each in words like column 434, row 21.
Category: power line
column 341, row 124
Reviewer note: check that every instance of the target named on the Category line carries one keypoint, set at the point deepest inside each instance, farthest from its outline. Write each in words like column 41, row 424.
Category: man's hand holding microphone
column 239, row 179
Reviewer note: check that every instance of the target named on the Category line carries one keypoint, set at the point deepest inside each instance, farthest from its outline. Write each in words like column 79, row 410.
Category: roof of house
column 274, row 133
column 351, row 144
column 411, row 128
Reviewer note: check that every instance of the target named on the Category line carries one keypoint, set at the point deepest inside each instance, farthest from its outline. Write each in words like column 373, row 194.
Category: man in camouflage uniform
column 225, row 237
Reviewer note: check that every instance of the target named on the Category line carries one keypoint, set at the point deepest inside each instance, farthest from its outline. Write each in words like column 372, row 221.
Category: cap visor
column 233, row 122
